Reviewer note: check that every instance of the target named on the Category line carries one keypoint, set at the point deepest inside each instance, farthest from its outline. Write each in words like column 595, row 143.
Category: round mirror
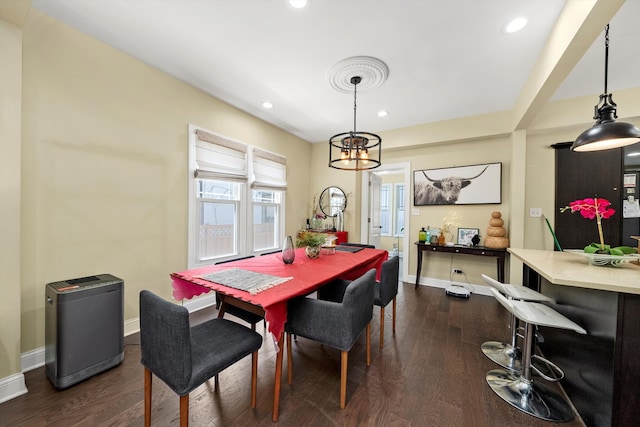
column 332, row 201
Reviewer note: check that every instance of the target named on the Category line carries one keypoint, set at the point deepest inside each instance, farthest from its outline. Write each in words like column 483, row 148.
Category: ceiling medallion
column 372, row 72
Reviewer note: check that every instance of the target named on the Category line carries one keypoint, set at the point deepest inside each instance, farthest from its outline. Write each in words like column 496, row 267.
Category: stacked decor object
column 496, row 233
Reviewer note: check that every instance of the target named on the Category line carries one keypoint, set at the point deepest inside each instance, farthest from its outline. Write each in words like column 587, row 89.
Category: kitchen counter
column 602, row 368
column 569, row 269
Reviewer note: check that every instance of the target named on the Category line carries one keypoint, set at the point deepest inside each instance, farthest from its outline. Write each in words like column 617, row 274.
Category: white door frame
column 404, row 168
column 374, row 231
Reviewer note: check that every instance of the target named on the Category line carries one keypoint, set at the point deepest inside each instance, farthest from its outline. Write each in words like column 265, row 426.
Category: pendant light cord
column 606, row 57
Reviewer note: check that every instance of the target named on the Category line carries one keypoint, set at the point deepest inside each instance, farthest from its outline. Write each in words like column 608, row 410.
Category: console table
column 500, row 254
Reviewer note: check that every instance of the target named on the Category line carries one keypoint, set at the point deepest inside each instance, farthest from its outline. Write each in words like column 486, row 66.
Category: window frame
column 389, row 216
column 397, row 200
column 245, row 240
column 278, row 223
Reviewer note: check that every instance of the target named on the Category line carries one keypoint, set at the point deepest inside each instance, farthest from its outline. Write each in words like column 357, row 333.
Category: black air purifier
column 84, row 328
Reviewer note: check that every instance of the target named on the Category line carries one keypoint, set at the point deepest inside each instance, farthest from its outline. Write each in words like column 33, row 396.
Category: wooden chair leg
column 381, row 327
column 289, row 360
column 216, row 383
column 344, row 361
column 254, row 377
column 184, row 410
column 253, row 327
column 148, row 376
column 369, row 344
column 394, row 315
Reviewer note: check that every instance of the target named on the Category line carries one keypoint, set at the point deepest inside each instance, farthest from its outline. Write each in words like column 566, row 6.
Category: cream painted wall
column 472, row 216
column 105, row 166
column 10, row 111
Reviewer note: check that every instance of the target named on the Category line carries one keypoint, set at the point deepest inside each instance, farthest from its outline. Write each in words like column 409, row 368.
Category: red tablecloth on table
column 307, row 276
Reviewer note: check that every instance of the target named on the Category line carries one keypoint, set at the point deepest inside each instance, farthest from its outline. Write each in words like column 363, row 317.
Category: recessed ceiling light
column 267, row 104
column 383, row 113
column 297, row 4
column 515, row 25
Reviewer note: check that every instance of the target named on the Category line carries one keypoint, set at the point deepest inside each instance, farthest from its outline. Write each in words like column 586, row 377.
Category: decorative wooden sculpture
column 496, row 233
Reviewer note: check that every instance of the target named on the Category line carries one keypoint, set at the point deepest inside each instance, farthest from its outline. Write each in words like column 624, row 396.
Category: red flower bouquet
column 595, row 208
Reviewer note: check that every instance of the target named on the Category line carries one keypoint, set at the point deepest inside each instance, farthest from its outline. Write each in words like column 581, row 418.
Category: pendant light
column 355, row 150
column 606, row 133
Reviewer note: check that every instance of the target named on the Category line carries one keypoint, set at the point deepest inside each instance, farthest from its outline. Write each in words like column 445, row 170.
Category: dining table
column 275, row 284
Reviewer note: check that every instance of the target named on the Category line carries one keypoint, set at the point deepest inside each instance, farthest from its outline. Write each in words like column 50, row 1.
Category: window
column 236, row 198
column 385, row 213
column 218, row 207
column 392, row 220
column 266, row 211
column 399, row 210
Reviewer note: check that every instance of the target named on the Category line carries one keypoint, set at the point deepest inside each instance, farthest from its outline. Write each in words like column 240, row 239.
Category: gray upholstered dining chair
column 386, row 291
column 184, row 357
column 247, row 316
column 337, row 320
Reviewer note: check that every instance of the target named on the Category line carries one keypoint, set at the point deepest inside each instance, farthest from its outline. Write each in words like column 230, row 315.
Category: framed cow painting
column 460, row 185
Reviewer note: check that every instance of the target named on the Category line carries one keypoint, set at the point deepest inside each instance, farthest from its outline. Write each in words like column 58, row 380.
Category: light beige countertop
column 566, row 268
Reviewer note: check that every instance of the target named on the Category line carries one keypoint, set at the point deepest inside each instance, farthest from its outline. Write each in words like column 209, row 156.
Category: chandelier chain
column 355, row 80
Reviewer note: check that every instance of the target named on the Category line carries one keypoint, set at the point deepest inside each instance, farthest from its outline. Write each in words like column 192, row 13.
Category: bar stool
column 508, row 355
column 519, row 390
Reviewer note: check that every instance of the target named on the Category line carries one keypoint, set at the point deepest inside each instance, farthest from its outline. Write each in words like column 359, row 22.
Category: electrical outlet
column 456, row 271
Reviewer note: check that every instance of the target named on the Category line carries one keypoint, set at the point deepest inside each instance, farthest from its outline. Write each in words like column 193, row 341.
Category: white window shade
column 269, row 170
column 218, row 157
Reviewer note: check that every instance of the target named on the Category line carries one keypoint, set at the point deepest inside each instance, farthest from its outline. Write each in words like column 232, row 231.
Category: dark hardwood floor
column 430, row 373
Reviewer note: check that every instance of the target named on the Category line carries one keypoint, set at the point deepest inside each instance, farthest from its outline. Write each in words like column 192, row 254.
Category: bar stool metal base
column 503, row 354
column 539, row 401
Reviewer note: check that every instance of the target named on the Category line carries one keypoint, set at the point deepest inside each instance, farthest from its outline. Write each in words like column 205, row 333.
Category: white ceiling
column 446, row 58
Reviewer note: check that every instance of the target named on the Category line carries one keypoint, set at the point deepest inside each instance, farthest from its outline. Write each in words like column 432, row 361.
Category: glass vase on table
column 288, row 251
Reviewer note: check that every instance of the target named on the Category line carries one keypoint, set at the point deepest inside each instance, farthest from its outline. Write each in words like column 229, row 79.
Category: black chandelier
column 355, row 150
column 606, row 133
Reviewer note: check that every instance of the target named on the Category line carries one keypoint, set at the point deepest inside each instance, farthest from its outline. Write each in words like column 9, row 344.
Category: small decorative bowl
column 605, row 259
column 328, row 249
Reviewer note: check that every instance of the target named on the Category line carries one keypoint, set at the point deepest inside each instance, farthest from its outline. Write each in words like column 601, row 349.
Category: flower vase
column 312, row 252
column 288, row 251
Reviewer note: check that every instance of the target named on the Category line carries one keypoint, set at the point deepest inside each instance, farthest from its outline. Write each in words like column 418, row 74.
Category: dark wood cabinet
column 602, row 368
column 582, row 175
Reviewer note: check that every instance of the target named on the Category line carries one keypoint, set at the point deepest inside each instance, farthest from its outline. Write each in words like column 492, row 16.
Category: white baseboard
column 438, row 283
column 12, row 387
column 32, row 359
column 199, row 303
column 131, row 326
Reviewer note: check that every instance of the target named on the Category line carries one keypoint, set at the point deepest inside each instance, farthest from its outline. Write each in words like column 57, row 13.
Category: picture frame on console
column 459, row 185
column 465, row 236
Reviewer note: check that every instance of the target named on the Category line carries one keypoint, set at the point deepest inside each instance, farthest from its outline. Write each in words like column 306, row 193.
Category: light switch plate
column 415, row 211
column 535, row 212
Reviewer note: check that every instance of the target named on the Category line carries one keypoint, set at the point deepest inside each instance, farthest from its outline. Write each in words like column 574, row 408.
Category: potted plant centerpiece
column 311, row 242
column 599, row 209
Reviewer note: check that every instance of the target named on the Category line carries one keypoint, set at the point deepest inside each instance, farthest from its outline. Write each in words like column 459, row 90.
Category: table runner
column 245, row 280
column 352, row 249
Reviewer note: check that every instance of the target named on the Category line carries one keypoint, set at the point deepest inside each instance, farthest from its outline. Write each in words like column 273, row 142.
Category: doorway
column 372, row 207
